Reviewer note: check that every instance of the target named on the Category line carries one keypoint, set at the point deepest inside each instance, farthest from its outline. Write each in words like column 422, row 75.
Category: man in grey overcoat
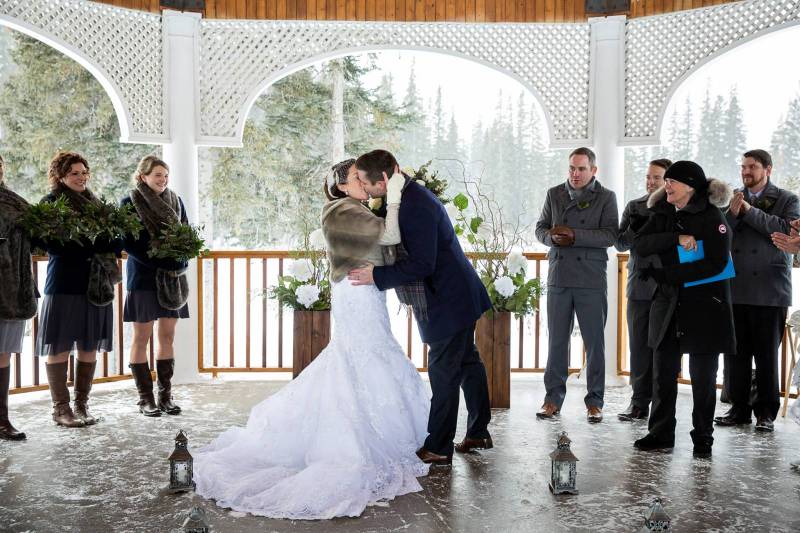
column 639, row 294
column 578, row 222
column 761, row 290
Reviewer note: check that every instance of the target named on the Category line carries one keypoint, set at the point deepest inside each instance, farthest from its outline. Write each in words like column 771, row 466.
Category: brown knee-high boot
column 7, row 431
column 144, row 384
column 62, row 413
column 165, row 368
column 84, row 374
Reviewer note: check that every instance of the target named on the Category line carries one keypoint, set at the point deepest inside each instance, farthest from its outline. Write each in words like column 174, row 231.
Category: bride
column 344, row 433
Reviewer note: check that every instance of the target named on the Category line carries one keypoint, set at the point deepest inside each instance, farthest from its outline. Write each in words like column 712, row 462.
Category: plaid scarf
column 412, row 294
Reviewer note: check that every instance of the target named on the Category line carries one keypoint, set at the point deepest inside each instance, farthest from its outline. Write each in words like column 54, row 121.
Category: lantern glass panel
column 182, row 473
column 564, row 478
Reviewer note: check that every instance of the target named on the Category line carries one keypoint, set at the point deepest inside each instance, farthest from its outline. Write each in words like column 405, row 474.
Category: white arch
column 113, row 92
column 703, row 62
column 259, row 89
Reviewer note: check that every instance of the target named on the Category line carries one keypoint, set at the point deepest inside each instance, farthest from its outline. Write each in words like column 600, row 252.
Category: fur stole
column 157, row 211
column 18, row 297
column 351, row 231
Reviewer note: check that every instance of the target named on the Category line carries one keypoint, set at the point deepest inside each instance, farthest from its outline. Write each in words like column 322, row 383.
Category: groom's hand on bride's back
column 362, row 275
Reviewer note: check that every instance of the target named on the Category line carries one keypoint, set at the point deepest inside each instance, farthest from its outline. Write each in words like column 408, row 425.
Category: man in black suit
column 436, row 278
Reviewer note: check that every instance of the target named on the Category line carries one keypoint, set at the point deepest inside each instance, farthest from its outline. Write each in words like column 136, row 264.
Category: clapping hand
column 562, row 235
column 788, row 243
column 738, row 204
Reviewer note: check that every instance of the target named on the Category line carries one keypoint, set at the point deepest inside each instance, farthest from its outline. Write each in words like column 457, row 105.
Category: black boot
column 7, row 431
column 62, row 413
column 144, row 384
column 165, row 368
column 84, row 375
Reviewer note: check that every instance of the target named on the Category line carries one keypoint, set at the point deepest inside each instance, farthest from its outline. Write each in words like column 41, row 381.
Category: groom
column 436, row 278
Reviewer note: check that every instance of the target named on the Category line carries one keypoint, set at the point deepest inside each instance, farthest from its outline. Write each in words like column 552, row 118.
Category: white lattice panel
column 237, row 57
column 125, row 45
column 662, row 50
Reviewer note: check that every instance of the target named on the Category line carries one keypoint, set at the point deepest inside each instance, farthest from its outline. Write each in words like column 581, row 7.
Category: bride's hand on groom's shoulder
column 362, row 275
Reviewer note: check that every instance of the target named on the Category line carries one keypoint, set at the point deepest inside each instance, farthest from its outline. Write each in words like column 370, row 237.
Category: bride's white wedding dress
column 339, row 437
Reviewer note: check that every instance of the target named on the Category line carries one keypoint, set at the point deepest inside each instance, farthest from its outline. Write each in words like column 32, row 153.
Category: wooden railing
column 242, row 331
column 257, row 332
column 28, row 376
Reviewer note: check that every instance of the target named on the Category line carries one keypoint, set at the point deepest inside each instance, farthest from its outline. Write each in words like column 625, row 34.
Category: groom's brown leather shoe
column 468, row 444
column 434, row 458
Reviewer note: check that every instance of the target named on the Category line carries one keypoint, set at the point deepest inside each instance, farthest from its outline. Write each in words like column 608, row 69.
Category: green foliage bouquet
column 58, row 222
column 501, row 266
column 106, row 220
column 52, row 222
column 425, row 177
column 179, row 242
column 307, row 287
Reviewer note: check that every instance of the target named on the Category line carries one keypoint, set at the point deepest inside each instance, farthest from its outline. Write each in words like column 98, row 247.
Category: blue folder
column 690, row 256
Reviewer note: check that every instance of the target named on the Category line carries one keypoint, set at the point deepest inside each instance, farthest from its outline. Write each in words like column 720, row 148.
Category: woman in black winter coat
column 697, row 320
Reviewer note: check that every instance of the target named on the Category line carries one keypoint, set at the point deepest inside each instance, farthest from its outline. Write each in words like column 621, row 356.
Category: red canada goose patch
column 723, row 228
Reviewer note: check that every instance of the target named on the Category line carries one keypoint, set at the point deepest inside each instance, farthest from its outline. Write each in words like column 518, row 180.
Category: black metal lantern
column 180, row 465
column 563, row 467
column 196, row 522
column 656, row 518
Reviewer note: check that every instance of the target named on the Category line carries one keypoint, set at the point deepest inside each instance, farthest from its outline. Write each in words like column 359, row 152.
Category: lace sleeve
column 391, row 234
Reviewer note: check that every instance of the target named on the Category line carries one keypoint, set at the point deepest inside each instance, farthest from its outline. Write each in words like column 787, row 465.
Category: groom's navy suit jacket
column 455, row 296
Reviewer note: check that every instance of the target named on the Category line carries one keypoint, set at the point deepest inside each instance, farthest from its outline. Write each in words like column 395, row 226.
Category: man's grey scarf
column 158, row 211
column 412, row 294
column 104, row 271
column 18, row 297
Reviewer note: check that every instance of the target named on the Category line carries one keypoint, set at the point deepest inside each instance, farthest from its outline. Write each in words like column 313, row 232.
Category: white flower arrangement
column 307, row 295
column 505, row 286
column 375, row 203
column 517, row 262
column 302, row 269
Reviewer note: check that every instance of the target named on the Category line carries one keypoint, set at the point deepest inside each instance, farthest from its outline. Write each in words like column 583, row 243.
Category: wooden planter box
column 312, row 331
column 493, row 339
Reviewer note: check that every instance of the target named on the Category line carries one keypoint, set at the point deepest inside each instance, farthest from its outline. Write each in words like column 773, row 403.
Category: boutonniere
column 764, row 203
column 583, row 204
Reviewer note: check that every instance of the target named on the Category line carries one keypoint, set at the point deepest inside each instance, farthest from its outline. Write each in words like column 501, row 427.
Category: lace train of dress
column 340, row 436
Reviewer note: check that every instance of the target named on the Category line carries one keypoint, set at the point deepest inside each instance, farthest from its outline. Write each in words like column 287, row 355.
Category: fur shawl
column 18, row 297
column 719, row 194
column 351, row 231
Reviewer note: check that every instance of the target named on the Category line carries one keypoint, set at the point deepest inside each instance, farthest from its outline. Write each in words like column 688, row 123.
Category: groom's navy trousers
column 454, row 363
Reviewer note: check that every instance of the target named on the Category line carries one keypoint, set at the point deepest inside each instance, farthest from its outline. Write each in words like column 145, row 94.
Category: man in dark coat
column 698, row 319
column 639, row 295
column 762, row 290
column 448, row 298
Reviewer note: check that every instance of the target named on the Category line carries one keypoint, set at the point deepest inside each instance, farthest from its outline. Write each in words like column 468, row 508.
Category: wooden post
column 312, row 331
column 493, row 339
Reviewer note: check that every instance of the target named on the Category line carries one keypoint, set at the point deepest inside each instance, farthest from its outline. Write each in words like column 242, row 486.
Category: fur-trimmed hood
column 719, row 194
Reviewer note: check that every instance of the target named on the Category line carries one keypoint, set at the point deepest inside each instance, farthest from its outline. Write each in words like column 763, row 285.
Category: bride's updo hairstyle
column 338, row 176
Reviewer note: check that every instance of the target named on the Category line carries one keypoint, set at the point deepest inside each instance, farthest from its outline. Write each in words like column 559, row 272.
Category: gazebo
column 603, row 73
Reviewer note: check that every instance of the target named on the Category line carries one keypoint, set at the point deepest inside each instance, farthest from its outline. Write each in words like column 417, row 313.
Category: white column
column 608, row 69
column 182, row 32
